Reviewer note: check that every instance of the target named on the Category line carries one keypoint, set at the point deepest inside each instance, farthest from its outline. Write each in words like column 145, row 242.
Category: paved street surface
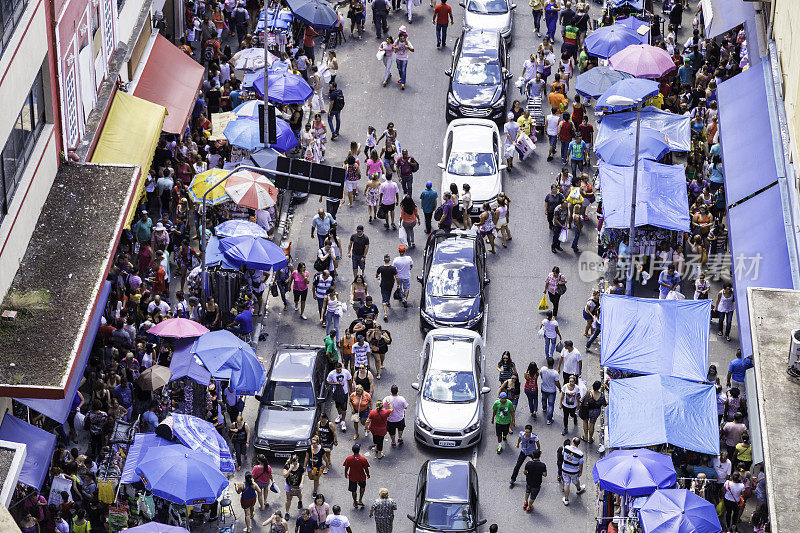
column 517, row 276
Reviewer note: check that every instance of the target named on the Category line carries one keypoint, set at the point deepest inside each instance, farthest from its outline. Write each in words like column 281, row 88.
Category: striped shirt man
column 322, row 286
column 361, row 353
column 573, row 460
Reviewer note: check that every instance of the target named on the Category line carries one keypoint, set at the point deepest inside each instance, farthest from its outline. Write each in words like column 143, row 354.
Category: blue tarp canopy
column 39, row 448
column 58, row 410
column 650, row 410
column 759, row 252
column 676, row 128
column 724, row 15
column 215, row 257
column 276, row 20
column 141, row 443
column 748, row 154
column 649, row 336
column 661, row 197
column 635, row 4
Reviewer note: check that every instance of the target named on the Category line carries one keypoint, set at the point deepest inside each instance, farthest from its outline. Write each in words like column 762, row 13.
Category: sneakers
column 525, row 506
column 338, row 419
column 511, row 484
column 344, row 426
column 582, row 489
column 499, row 448
column 549, row 422
column 564, row 431
column 304, row 317
column 566, row 501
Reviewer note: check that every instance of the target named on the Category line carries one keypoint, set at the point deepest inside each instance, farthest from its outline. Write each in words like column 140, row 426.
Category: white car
column 451, row 385
column 490, row 15
column 472, row 154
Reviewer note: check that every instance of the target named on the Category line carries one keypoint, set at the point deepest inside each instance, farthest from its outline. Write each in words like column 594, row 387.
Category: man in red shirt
column 356, row 470
column 308, row 42
column 441, row 14
column 160, row 275
column 377, row 425
column 586, row 131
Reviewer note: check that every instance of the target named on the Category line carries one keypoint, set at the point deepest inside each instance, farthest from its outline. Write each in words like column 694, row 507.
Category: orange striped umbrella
column 252, row 190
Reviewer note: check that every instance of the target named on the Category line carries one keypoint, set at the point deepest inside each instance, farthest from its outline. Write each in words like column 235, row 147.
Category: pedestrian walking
column 314, row 461
column 376, row 424
column 361, row 352
column 551, row 18
column 442, row 16
column 428, row 199
column 669, row 281
column 503, row 215
column 724, row 305
column 409, row 217
column 339, row 379
column 386, row 53
column 528, row 442
column 402, row 47
column 240, row 18
column 537, row 9
column 390, row 197
column 589, row 411
column 388, row 276
column 382, row 509
column 247, row 491
column 239, row 432
column 560, row 223
column 361, row 405
column 305, row 523
column 511, row 132
column 357, row 250
column 555, row 285
column 549, row 330
column 570, row 362
column 356, row 470
column 337, row 522
column 322, row 282
column 372, row 189
column 322, row 225
column 403, row 264
column 549, row 386
column 531, row 387
column 262, row 475
column 364, row 377
column 380, row 10
column 396, row 422
column 406, row 166
column 534, row 471
column 506, row 367
column 502, row 418
column 335, row 106
column 570, row 397
column 352, row 175
column 320, row 510
column 572, row 468
column 293, row 473
column 326, row 431
column 300, row 281
column 577, row 153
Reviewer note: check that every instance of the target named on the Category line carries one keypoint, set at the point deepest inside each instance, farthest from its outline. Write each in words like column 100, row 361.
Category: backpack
column 338, row 99
column 209, row 51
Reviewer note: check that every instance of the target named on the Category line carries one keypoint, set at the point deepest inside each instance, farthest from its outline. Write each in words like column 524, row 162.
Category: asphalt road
column 517, row 275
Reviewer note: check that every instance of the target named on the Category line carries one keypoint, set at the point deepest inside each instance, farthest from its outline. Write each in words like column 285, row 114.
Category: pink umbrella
column 643, row 61
column 179, row 328
column 252, row 190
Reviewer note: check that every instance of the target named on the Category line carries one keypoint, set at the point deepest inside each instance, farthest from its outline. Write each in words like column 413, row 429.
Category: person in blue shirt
column 737, row 370
column 685, row 72
column 528, row 442
column 668, row 281
column 150, row 419
column 577, row 154
column 322, row 224
column 243, row 323
column 143, row 228
column 429, row 200
column 716, row 175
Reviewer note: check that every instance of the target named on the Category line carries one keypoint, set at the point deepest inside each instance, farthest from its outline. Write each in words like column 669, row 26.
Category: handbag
column 414, row 165
column 563, row 235
column 381, row 212
column 543, row 303
column 561, row 288
column 273, row 487
column 398, row 295
column 320, row 264
column 559, row 346
column 273, row 289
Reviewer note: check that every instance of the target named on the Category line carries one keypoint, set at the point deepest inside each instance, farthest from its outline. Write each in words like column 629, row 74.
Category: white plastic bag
column 563, row 235
column 379, row 55
column 675, row 295
column 540, row 332
column 401, row 234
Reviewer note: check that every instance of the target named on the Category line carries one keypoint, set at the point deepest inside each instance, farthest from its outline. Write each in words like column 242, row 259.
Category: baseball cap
column 360, row 227
column 429, row 184
column 503, row 395
column 510, row 115
column 401, row 248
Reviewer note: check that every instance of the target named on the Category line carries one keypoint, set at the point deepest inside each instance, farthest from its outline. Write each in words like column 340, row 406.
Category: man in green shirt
column 331, row 351
column 502, row 418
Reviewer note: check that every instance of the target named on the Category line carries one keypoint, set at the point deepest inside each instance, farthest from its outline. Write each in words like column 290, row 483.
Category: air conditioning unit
column 794, row 354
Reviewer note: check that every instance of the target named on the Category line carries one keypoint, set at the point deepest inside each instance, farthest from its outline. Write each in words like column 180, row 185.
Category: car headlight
column 471, row 322
column 451, row 99
column 261, row 441
column 421, row 423
column 501, row 102
column 303, row 443
column 473, row 427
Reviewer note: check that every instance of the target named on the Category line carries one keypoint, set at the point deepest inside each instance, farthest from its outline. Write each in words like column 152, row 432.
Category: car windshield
column 290, row 394
column 471, row 164
column 473, row 71
column 488, row 7
column 449, row 387
column 446, row 516
column 453, row 279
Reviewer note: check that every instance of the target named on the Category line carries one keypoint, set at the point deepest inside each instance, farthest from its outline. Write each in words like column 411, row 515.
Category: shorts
column 263, row 484
column 391, row 427
column 377, row 440
column 358, row 262
column 341, row 406
column 553, row 140
column 350, row 185
column 248, row 503
column 363, row 415
column 386, row 295
column 594, row 414
column 405, row 284
column 353, row 485
column 300, row 295
column 501, row 430
column 586, row 316
column 532, row 491
column 573, row 479
column 388, row 207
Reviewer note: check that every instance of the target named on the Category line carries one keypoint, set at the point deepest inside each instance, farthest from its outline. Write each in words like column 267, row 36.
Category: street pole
column 632, row 227
column 266, row 76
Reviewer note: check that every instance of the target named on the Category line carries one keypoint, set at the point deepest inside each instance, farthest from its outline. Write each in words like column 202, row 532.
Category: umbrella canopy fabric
column 253, row 253
column 154, row 378
column 201, row 436
column 633, row 23
column 244, row 133
column 202, row 182
column 186, row 364
column 239, row 227
column 620, row 150
column 678, row 511
column 265, row 158
column 634, row 472
column 251, row 59
column 156, row 527
column 643, row 61
column 597, row 80
column 247, row 375
column 285, row 139
column 228, row 357
column 248, row 109
column 316, row 13
column 284, row 87
column 178, row 328
column 606, row 41
column 636, row 89
column 250, row 189
column 181, row 475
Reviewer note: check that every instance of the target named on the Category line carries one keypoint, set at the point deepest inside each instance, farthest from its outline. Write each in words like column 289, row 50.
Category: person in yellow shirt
column 537, row 9
column 526, row 125
column 656, row 101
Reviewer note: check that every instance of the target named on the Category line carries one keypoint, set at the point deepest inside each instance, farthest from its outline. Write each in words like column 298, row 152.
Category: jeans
column 549, row 346
column 331, row 323
column 239, row 452
column 402, row 64
column 725, row 316
column 428, row 220
column 564, row 151
column 406, row 182
column 320, row 302
column 409, row 227
column 537, row 19
column 321, row 239
column 593, row 337
column 331, row 116
column 556, row 232
column 520, row 460
column 548, row 404
column 574, row 164
column 533, row 400
column 576, row 236
column 380, row 24
column 441, row 34
column 282, row 292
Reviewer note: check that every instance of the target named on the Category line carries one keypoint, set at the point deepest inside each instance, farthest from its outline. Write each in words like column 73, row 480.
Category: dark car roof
column 294, row 364
column 480, row 43
column 447, row 480
column 455, row 250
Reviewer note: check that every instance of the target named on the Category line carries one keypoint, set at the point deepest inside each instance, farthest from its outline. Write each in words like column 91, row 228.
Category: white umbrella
column 251, row 190
column 251, row 59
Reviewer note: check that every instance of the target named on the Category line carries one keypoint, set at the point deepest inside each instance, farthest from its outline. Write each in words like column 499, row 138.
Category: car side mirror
column 257, row 397
column 448, row 72
column 486, row 390
column 411, row 518
column 487, row 281
column 508, row 75
column 503, row 167
column 441, row 165
column 415, row 386
column 482, row 522
column 513, row 6
column 419, row 278
column 462, row 4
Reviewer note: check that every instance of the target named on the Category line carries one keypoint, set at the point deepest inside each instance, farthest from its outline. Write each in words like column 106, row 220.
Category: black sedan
column 446, row 497
column 478, row 77
column 454, row 280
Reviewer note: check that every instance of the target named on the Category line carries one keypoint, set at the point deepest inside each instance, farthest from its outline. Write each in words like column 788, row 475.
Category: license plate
column 283, row 454
column 447, row 443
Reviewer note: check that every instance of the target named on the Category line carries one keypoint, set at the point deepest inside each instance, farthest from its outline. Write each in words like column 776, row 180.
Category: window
column 20, row 142
column 10, row 13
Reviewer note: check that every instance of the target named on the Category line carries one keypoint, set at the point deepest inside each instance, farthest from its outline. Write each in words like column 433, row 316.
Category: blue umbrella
column 620, row 149
column 216, row 348
column 248, row 109
column 316, row 13
column 201, row 436
column 238, row 227
column 265, row 158
column 247, row 375
column 598, row 80
column 243, row 132
column 635, row 89
column 634, row 472
column 633, row 23
column 606, row 41
column 284, row 87
column 181, row 475
column 254, row 253
column 678, row 511
column 156, row 527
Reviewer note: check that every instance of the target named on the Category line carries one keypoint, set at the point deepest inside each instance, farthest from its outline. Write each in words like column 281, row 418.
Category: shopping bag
column 524, row 145
column 563, row 236
column 540, row 332
column 379, row 55
column 401, row 234
column 510, row 149
column 675, row 295
column 381, row 212
column 543, row 303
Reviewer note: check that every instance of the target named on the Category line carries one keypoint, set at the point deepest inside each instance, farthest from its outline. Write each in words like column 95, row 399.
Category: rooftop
column 59, row 279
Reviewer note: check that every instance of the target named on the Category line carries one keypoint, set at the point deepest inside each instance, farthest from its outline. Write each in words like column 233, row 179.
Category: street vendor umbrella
column 620, row 149
column 181, row 475
column 316, row 13
column 635, row 89
column 201, row 436
column 217, row 348
column 251, row 59
column 251, row 189
column 643, row 61
column 254, row 253
column 238, row 228
column 284, row 87
column 178, row 328
column 635, row 24
column 244, row 133
column 285, row 138
column 606, row 41
column 678, row 511
column 597, row 80
column 634, row 472
column 154, row 377
column 247, row 375
column 156, row 527
column 203, row 182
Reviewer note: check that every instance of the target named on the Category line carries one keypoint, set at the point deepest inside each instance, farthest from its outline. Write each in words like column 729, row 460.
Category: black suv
column 292, row 400
column 478, row 77
column 453, row 281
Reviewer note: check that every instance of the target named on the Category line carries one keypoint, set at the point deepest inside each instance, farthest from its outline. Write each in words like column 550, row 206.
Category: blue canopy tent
column 39, row 446
column 720, row 16
column 649, row 336
column 58, row 410
column 650, row 410
column 676, row 128
column 141, row 443
column 661, row 197
column 275, row 20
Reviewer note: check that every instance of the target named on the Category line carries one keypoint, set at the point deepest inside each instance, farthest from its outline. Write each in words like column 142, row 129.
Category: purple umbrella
column 156, row 527
column 643, row 61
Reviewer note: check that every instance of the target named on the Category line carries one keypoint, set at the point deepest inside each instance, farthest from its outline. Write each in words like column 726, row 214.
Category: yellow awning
column 130, row 136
